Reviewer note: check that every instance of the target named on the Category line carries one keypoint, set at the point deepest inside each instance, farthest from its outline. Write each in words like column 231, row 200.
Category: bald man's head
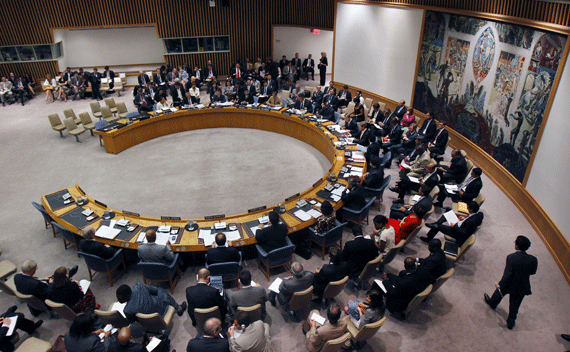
column 124, row 336
column 203, row 275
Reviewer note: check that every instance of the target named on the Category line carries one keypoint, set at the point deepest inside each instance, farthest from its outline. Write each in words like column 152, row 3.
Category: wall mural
column 489, row 81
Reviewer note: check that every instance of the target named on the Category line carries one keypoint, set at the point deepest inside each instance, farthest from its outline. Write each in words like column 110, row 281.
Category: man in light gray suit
column 77, row 86
column 300, row 281
column 253, row 337
column 155, row 253
column 248, row 295
column 5, row 90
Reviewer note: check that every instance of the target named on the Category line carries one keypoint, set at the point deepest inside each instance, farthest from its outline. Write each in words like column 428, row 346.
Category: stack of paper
column 107, row 232
column 338, row 191
column 314, row 213
column 164, row 228
column 141, row 238
column 263, row 219
column 119, row 307
column 381, row 284
column 162, row 238
column 356, row 171
column 451, row 217
column 232, row 235
column 84, row 285
column 358, row 156
column 302, row 215
column 11, row 326
column 335, row 198
column 416, row 198
column 153, row 343
column 318, row 318
column 207, row 236
column 275, row 285
column 414, row 179
column 451, row 188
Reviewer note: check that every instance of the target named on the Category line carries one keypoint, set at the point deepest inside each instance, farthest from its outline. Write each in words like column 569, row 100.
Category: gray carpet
column 204, row 172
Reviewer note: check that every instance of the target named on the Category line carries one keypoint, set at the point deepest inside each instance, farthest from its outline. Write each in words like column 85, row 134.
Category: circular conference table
column 70, row 215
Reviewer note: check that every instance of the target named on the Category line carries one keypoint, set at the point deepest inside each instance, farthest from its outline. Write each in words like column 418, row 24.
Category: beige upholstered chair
column 33, row 302
column 462, row 250
column 110, row 102
column 7, row 268
column 104, row 88
column 154, row 322
column 300, row 300
column 310, row 89
column 96, row 109
column 368, row 103
column 479, row 200
column 112, row 317
column 367, row 332
column 73, row 129
column 86, row 121
column 366, row 111
column 382, row 106
column 387, row 259
column 442, row 279
column 62, row 309
column 254, row 312
column 56, row 124
column 414, row 232
column 70, row 113
column 284, row 94
column 122, row 110
column 33, row 344
column 118, row 86
column 335, row 345
column 203, row 314
column 108, row 115
column 416, row 301
column 333, row 289
column 367, row 272
column 349, row 109
column 8, row 286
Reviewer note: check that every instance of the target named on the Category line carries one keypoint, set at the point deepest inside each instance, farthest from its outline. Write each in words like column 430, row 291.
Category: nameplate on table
column 101, row 204
column 80, row 190
column 172, row 218
column 252, row 210
column 317, row 183
column 215, row 216
column 286, row 112
column 292, row 197
column 130, row 213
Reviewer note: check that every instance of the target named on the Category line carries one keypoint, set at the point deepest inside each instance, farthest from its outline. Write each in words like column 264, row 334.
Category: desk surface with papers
column 74, row 209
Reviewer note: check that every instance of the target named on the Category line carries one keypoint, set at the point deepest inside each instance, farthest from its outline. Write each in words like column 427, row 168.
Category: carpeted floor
column 197, row 173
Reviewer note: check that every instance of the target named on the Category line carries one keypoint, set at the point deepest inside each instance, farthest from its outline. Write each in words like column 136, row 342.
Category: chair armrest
column 352, row 211
column 174, row 262
column 261, row 251
column 116, row 258
column 288, row 240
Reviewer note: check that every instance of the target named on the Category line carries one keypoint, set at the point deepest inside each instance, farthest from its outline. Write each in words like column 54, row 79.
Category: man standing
column 96, row 84
column 296, row 63
column 516, row 280
column 111, row 76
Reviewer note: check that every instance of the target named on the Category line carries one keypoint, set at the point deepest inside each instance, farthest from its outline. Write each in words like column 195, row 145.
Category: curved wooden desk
column 138, row 132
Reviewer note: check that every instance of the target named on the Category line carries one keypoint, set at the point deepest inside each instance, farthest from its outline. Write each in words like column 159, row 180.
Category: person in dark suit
column 358, row 252
column 429, row 129
column 375, row 175
column 27, row 284
column 439, row 142
column 466, row 227
column 351, row 126
column 123, row 342
column 264, row 93
column 96, row 84
column 299, row 281
column 296, row 63
column 317, row 99
column 466, row 192
column 272, row 236
column 336, row 270
column 400, row 110
column 82, row 336
column 430, row 180
column 77, row 86
column 344, row 96
column 90, row 246
column 246, row 97
column 21, row 323
column 516, row 280
column 399, row 212
column 146, row 299
column 202, row 295
column 456, row 171
column 111, row 76
column 364, row 135
column 158, row 78
column 331, row 98
column 394, row 137
column 327, row 112
column 177, row 92
column 435, row 263
column 218, row 97
column 309, row 67
column 376, row 115
column 353, row 195
column 220, row 253
column 143, row 79
column 384, row 124
column 152, row 252
column 248, row 295
column 303, row 104
column 210, row 340
column 401, row 289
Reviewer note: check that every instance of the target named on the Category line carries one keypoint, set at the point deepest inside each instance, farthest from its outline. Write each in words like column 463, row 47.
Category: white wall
column 290, row 40
column 59, row 36
column 548, row 179
column 97, row 47
column 376, row 48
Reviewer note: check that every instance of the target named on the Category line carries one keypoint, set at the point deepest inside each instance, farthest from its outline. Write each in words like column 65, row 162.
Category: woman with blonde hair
column 323, row 63
column 50, row 85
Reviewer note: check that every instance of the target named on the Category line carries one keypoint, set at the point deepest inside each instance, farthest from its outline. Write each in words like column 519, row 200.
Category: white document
column 119, row 307
column 173, row 109
column 162, row 238
column 367, row 237
column 275, row 285
column 356, row 169
column 12, row 325
column 302, row 215
column 200, row 106
column 416, row 198
column 414, row 179
column 84, row 285
column 358, row 155
column 381, row 284
column 451, row 217
column 318, row 318
column 153, row 343
column 203, row 233
column 107, row 232
column 121, row 75
column 232, row 235
column 164, row 228
column 361, row 148
column 404, row 165
column 338, row 191
column 254, row 229
column 122, row 222
column 451, row 188
column 142, row 237
column 314, row 213
column 335, row 198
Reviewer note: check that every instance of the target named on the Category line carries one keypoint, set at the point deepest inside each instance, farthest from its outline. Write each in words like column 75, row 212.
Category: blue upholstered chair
column 99, row 125
column 276, row 258
column 385, row 159
column 107, row 266
column 356, row 216
column 328, row 239
column 68, row 236
column 378, row 192
column 161, row 272
column 229, row 271
column 47, row 218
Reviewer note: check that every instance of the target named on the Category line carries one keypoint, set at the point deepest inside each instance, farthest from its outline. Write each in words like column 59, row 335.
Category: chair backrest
column 62, row 309
column 369, row 330
column 254, row 312
column 101, row 124
column 480, row 199
column 386, row 159
column 350, row 108
column 8, row 286
column 104, row 82
column 122, row 107
column 95, row 106
column 417, row 300
column 334, row 234
column 284, row 94
column 42, row 210
column 155, row 271
column 54, row 120
column 94, row 262
column 70, row 124
column 369, row 268
column 228, row 271
column 310, row 89
column 368, row 192
column 382, row 106
column 366, row 111
column 336, row 345
column 118, row 82
column 333, row 289
column 415, row 231
column 112, row 317
column 68, row 235
column 203, row 314
column 368, row 103
column 106, row 112
column 434, row 191
column 392, row 253
column 32, row 301
column 301, row 299
column 442, row 279
column 465, row 246
column 110, row 102
column 85, row 118
column 69, row 113
column 151, row 322
column 281, row 255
